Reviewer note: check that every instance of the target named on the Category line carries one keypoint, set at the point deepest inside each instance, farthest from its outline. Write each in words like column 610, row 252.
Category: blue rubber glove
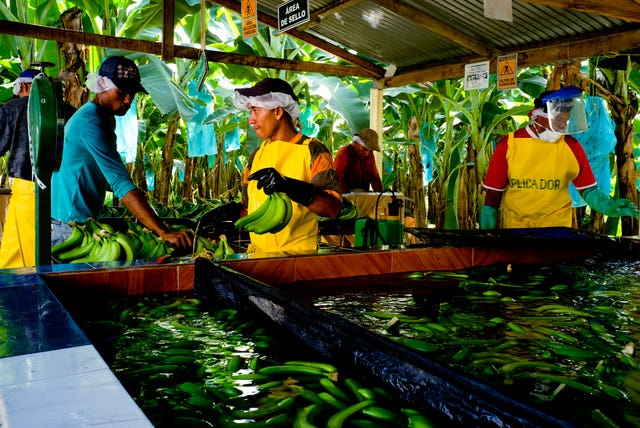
column 608, row 206
column 488, row 217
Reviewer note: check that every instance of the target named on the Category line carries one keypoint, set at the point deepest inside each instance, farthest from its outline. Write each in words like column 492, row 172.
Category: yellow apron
column 291, row 160
column 18, row 246
column 537, row 194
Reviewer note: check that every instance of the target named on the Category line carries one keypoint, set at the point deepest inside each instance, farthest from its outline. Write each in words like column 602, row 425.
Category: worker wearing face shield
column 528, row 177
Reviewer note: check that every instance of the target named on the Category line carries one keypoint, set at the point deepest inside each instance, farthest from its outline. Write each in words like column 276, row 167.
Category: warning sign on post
column 292, row 14
column 249, row 18
column 507, row 67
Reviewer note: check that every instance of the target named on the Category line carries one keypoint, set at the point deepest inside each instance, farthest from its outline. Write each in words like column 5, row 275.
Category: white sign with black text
column 476, row 76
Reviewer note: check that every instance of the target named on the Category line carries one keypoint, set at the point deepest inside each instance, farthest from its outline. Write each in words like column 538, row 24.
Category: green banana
column 135, row 242
column 126, row 244
column 88, row 242
column 382, row 413
column 304, row 416
column 287, row 216
column 333, row 389
column 332, row 401
column 98, row 252
column 326, row 367
column 287, row 369
column 72, row 241
column 338, row 418
column 272, row 217
column 350, row 211
column 228, row 251
column 219, row 252
column 242, row 222
column 114, row 250
column 148, row 245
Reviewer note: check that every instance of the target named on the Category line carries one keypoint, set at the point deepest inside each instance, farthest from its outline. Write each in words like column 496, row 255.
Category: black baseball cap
column 123, row 73
column 266, row 86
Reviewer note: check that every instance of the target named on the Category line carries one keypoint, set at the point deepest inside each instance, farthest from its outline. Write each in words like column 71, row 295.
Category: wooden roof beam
column 579, row 49
column 156, row 48
column 629, row 10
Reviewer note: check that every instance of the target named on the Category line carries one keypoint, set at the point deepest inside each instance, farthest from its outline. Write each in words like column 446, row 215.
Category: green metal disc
column 43, row 125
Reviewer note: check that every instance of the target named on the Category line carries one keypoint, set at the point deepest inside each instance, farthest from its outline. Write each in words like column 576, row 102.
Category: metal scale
column 46, row 134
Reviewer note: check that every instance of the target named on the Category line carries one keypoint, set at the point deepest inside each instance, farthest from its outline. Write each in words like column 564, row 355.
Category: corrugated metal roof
column 422, row 34
column 400, row 42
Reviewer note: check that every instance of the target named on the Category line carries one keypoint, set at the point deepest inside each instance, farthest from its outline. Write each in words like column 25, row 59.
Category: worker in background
column 17, row 248
column 355, row 163
column 90, row 160
column 530, row 170
column 286, row 161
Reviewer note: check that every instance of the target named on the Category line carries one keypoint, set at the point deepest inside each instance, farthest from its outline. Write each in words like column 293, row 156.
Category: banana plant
column 620, row 77
column 19, row 53
column 486, row 116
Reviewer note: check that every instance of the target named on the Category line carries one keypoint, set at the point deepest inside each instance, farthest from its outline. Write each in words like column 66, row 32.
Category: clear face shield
column 566, row 111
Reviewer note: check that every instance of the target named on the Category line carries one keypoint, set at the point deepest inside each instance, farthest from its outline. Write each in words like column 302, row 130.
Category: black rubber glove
column 270, row 181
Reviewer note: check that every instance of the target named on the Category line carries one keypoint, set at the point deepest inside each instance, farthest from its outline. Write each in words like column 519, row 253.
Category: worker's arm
column 138, row 205
column 604, row 204
column 325, row 204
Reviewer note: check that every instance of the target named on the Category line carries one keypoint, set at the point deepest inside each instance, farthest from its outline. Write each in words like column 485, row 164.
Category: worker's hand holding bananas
column 271, row 181
column 181, row 239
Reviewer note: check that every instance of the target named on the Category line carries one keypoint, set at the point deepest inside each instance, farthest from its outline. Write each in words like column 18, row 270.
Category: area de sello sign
column 292, row 13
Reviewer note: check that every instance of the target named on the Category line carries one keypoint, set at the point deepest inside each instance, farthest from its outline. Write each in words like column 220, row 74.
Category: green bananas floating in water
column 271, row 217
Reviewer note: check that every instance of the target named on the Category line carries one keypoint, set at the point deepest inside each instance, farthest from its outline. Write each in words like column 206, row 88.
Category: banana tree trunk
column 219, row 178
column 626, row 166
column 75, row 60
column 138, row 173
column 415, row 189
column 190, row 170
column 163, row 178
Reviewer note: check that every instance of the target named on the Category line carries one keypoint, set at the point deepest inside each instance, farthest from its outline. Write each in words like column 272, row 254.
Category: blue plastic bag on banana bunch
column 598, row 142
column 231, row 143
column 309, row 127
column 428, row 140
column 201, row 137
column 127, row 134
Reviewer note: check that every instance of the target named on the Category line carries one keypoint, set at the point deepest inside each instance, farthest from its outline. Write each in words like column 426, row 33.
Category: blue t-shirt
column 90, row 161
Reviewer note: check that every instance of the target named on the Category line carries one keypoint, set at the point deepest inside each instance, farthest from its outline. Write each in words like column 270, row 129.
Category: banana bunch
column 348, row 212
column 271, row 217
column 224, row 249
column 209, row 250
column 99, row 242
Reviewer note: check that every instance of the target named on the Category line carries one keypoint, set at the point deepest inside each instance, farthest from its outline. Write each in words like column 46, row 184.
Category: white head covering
column 97, row 83
column 26, row 76
column 268, row 101
column 538, row 112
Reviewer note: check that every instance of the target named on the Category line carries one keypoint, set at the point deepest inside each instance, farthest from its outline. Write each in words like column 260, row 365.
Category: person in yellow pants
column 17, row 248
